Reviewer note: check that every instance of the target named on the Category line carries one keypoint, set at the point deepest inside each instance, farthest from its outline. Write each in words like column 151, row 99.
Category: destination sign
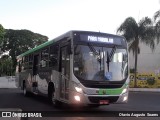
column 100, row 39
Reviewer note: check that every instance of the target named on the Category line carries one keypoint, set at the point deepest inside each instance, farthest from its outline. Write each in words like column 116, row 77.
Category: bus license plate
column 104, row 102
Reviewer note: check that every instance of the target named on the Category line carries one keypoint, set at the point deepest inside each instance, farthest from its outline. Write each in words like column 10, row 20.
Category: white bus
column 78, row 68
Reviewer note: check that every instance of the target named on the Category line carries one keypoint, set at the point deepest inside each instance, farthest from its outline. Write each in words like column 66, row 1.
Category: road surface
column 138, row 103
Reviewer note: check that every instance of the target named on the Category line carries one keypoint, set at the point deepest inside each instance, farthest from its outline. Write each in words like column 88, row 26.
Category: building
column 148, row 60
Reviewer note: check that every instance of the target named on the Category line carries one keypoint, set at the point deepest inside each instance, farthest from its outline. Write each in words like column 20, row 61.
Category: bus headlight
column 124, row 90
column 78, row 89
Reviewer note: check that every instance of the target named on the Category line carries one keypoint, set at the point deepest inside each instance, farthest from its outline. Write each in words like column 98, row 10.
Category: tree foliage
column 157, row 24
column 19, row 41
column 134, row 32
column 2, row 32
column 138, row 32
column 6, row 66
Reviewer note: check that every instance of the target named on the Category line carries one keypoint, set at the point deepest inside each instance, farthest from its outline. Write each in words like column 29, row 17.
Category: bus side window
column 53, row 57
column 45, row 58
column 26, row 62
column 30, row 61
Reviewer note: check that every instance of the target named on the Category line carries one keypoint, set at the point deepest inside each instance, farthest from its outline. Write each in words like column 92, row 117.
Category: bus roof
column 67, row 34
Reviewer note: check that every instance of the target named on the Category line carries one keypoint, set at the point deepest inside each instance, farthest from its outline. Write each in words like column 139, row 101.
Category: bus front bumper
column 85, row 99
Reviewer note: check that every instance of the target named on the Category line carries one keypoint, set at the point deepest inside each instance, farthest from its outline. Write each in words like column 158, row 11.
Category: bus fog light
column 125, row 98
column 77, row 98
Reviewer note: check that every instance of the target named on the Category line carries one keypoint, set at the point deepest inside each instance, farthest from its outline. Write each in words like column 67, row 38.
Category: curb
column 144, row 89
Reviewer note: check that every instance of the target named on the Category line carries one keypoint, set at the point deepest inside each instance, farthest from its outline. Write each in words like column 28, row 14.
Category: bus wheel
column 55, row 102
column 25, row 92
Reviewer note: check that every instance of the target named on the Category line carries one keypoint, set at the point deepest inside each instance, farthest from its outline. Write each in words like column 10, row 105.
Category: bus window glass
column 118, row 68
column 26, row 59
column 53, row 58
column 26, row 62
column 90, row 63
column 45, row 58
column 30, row 61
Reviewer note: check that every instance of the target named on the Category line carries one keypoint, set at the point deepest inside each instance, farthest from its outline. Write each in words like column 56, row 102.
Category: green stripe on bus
column 115, row 91
column 36, row 48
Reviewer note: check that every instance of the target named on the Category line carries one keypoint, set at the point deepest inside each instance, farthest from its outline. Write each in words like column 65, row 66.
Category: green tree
column 19, row 41
column 6, row 66
column 134, row 32
column 157, row 24
column 2, row 32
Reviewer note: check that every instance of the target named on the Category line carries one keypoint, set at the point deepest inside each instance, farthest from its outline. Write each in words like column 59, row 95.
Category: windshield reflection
column 91, row 63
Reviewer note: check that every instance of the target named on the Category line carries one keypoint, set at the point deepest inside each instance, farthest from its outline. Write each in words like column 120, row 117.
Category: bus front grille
column 95, row 99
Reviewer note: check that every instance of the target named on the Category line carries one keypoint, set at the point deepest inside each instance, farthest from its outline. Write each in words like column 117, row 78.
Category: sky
column 55, row 17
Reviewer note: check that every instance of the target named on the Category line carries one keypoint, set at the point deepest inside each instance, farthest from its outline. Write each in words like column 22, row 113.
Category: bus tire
column 52, row 99
column 25, row 92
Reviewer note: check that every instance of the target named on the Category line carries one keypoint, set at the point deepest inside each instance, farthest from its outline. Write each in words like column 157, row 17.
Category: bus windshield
column 100, row 63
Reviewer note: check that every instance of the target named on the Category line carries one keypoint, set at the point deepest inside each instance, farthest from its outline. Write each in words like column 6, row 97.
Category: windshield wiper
column 110, row 56
column 108, row 60
column 98, row 54
column 112, row 53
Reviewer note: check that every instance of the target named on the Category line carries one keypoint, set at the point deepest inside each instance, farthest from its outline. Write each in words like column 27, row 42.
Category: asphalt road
column 138, row 103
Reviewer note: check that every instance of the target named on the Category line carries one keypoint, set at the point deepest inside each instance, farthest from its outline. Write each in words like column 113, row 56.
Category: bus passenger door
column 35, row 64
column 35, row 72
column 65, row 73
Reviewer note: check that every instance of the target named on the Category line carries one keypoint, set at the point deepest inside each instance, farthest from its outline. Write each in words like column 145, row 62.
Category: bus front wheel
column 52, row 99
